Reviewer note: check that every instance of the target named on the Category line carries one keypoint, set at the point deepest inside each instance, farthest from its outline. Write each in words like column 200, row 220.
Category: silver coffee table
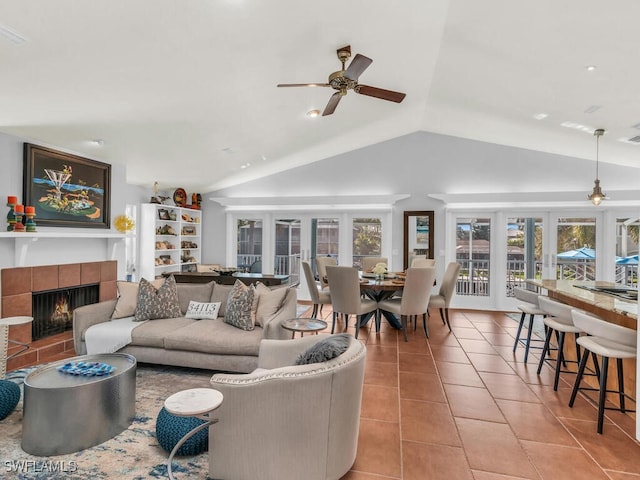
column 66, row 413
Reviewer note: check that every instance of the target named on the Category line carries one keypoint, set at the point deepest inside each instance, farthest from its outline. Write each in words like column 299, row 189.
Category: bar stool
column 529, row 306
column 558, row 320
column 609, row 341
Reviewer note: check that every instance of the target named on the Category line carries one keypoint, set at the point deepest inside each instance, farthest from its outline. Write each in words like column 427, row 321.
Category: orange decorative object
column 29, row 209
column 18, row 209
column 12, row 200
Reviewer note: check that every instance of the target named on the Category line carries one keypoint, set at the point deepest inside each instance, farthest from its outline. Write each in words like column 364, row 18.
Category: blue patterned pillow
column 239, row 307
column 160, row 303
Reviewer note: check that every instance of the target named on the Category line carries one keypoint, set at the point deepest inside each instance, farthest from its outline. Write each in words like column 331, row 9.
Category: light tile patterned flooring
column 462, row 405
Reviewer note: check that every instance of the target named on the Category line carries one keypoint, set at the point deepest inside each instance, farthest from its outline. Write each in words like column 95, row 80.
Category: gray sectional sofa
column 207, row 344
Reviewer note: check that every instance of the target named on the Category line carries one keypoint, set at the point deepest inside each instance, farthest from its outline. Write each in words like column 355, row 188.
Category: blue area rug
column 134, row 454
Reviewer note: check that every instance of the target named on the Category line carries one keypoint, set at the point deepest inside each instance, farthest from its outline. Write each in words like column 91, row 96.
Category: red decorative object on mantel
column 19, row 212
column 11, row 215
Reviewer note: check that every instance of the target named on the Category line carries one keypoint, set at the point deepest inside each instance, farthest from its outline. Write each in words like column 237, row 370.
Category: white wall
column 420, row 164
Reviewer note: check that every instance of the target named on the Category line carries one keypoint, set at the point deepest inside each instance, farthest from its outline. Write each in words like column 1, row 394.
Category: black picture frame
column 66, row 190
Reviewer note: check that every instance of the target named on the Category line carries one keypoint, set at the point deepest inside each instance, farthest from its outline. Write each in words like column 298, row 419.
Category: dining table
column 379, row 290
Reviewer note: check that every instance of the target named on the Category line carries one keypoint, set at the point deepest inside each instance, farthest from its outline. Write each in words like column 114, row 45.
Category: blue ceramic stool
column 171, row 428
column 9, row 397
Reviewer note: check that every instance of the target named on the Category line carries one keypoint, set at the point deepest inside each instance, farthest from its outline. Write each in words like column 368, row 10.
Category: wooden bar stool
column 609, row 341
column 528, row 306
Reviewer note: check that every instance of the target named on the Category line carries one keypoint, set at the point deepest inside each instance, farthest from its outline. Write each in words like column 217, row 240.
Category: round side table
column 304, row 325
column 16, row 321
column 195, row 402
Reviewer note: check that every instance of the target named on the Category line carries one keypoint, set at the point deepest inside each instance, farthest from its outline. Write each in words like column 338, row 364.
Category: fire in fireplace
column 53, row 309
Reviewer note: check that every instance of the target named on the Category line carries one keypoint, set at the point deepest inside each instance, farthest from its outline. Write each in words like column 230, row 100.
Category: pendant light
column 597, row 195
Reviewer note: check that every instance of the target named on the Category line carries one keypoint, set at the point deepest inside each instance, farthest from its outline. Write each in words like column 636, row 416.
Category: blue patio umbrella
column 583, row 253
column 630, row 260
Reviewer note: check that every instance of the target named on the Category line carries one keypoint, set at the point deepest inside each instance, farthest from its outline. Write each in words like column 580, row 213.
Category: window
column 367, row 239
column 627, row 232
column 249, row 245
column 524, row 251
column 473, row 252
column 576, row 247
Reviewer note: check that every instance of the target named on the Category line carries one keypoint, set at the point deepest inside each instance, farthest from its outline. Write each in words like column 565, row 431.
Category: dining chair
column 344, row 283
column 369, row 262
column 415, row 298
column 423, row 262
column 442, row 300
column 318, row 297
column 321, row 268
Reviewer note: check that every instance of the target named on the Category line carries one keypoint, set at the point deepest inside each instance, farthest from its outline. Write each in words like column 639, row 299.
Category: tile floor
column 462, row 406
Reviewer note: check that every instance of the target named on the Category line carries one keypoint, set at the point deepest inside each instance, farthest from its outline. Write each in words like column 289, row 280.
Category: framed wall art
column 66, row 190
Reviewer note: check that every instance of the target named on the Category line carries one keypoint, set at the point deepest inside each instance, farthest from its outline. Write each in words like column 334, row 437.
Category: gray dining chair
column 344, row 283
column 423, row 262
column 321, row 268
column 318, row 297
column 369, row 262
column 415, row 298
column 442, row 300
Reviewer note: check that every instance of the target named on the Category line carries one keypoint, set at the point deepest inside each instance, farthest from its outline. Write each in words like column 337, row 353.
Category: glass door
column 287, row 248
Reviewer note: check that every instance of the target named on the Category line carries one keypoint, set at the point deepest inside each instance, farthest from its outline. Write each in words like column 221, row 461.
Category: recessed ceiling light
column 313, row 113
column 591, row 68
column 11, row 35
column 540, row 116
column 578, row 126
column 98, row 142
column 264, row 158
column 245, row 165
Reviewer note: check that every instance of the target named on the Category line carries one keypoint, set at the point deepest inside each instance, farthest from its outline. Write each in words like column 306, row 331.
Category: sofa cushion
column 128, row 298
column 325, row 349
column 268, row 302
column 220, row 294
column 153, row 334
column 200, row 310
column 198, row 292
column 240, row 306
column 157, row 303
column 214, row 336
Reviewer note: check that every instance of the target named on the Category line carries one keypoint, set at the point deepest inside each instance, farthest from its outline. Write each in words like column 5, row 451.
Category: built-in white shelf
column 19, row 235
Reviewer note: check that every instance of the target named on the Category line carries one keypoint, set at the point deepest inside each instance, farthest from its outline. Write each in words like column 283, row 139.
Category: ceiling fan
column 345, row 80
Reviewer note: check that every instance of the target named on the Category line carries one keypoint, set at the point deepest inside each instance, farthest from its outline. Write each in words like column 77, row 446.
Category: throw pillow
column 198, row 292
column 239, row 306
column 128, row 298
column 325, row 349
column 221, row 294
column 200, row 310
column 157, row 303
column 269, row 302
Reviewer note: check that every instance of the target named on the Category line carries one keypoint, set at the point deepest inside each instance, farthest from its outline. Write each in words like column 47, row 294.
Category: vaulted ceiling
column 184, row 92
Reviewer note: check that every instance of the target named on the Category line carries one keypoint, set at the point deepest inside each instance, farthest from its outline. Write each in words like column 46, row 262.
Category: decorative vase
column 379, row 277
column 11, row 217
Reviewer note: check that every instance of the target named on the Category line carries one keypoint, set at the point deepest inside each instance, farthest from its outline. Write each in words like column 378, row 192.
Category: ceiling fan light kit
column 347, row 79
column 597, row 195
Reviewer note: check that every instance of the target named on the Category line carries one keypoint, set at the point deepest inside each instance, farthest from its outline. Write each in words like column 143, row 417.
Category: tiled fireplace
column 21, row 283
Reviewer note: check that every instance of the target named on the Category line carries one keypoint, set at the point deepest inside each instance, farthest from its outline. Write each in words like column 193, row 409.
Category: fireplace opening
column 53, row 309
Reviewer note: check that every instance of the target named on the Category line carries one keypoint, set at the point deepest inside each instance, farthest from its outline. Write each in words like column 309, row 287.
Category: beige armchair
column 442, row 300
column 286, row 421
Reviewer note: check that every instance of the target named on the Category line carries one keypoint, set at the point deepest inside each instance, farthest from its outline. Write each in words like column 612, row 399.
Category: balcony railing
column 283, row 265
column 474, row 277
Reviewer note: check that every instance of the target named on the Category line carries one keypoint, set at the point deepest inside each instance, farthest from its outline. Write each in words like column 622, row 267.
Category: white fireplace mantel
column 23, row 240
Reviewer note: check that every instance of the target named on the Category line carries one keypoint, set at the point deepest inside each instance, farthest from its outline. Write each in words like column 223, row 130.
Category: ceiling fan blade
column 333, row 103
column 358, row 65
column 380, row 93
column 303, row 85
